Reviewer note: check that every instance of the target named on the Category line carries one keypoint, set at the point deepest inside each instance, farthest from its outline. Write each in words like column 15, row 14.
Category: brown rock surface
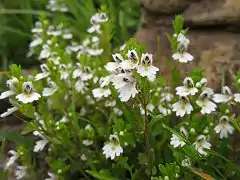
column 214, row 34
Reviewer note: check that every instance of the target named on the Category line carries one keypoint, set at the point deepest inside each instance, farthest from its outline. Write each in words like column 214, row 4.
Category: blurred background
column 17, row 18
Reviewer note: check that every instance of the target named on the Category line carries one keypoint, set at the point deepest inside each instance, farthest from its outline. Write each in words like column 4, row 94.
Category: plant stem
column 146, row 129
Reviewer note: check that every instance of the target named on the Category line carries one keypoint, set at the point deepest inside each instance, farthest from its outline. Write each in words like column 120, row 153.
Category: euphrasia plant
column 103, row 115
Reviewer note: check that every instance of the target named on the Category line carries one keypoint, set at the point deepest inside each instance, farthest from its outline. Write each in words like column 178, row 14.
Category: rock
column 167, row 7
column 214, row 36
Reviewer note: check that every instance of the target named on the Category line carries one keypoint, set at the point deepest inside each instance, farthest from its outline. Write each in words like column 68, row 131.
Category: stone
column 213, row 33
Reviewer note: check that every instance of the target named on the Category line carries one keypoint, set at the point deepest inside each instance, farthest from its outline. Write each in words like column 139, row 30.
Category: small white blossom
column 237, row 97
column 83, row 157
column 45, row 52
column 166, row 95
column 86, row 74
column 87, row 142
column 99, row 18
column 201, row 144
column 64, row 72
column 224, row 128
column 187, row 88
column 182, row 57
column 28, row 94
column 9, row 111
column 225, row 97
column 79, row 86
column 177, row 141
column 112, row 66
column 112, row 148
column 101, row 92
column 11, row 84
column 207, row 106
column 164, row 110
column 125, row 84
column 132, row 61
column 182, row 107
column 94, row 28
column 21, row 172
column 49, row 91
column 40, row 144
column 146, row 69
column 12, row 159
column 45, row 72
column 186, row 163
column 51, row 176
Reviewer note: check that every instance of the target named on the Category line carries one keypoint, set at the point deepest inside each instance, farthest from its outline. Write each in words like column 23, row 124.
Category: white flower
column 51, row 176
column 166, row 95
column 201, row 144
column 163, row 110
column 182, row 107
column 133, row 61
column 101, row 92
column 112, row 148
column 95, row 52
column 225, row 97
column 237, row 97
column 38, row 27
column 77, row 72
column 125, row 84
column 112, row 66
column 28, row 94
column 87, row 74
column 150, row 107
column 67, row 34
column 21, row 172
column 117, row 111
column 11, row 84
column 183, row 40
column 83, row 157
column 94, row 28
column 186, row 162
column 146, row 69
column 49, row 91
column 177, row 141
column 63, row 120
column 224, row 128
column 87, row 142
column 45, row 52
column 9, row 111
column 99, row 18
column 40, row 144
column 110, row 103
column 88, row 127
column 206, row 105
column 45, row 72
column 187, row 88
column 12, row 159
column 79, row 86
column 36, row 41
column 182, row 57
column 63, row 70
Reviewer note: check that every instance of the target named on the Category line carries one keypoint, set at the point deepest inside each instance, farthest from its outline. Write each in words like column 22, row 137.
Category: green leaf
column 170, row 170
column 15, row 70
column 102, row 175
column 17, row 138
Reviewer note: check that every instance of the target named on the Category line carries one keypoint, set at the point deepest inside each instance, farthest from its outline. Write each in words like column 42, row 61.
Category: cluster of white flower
column 121, row 72
column 57, row 6
column 183, row 106
column 96, row 20
column 182, row 46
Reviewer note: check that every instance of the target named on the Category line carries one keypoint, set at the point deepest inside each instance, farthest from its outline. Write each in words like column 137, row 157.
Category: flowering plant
column 103, row 115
